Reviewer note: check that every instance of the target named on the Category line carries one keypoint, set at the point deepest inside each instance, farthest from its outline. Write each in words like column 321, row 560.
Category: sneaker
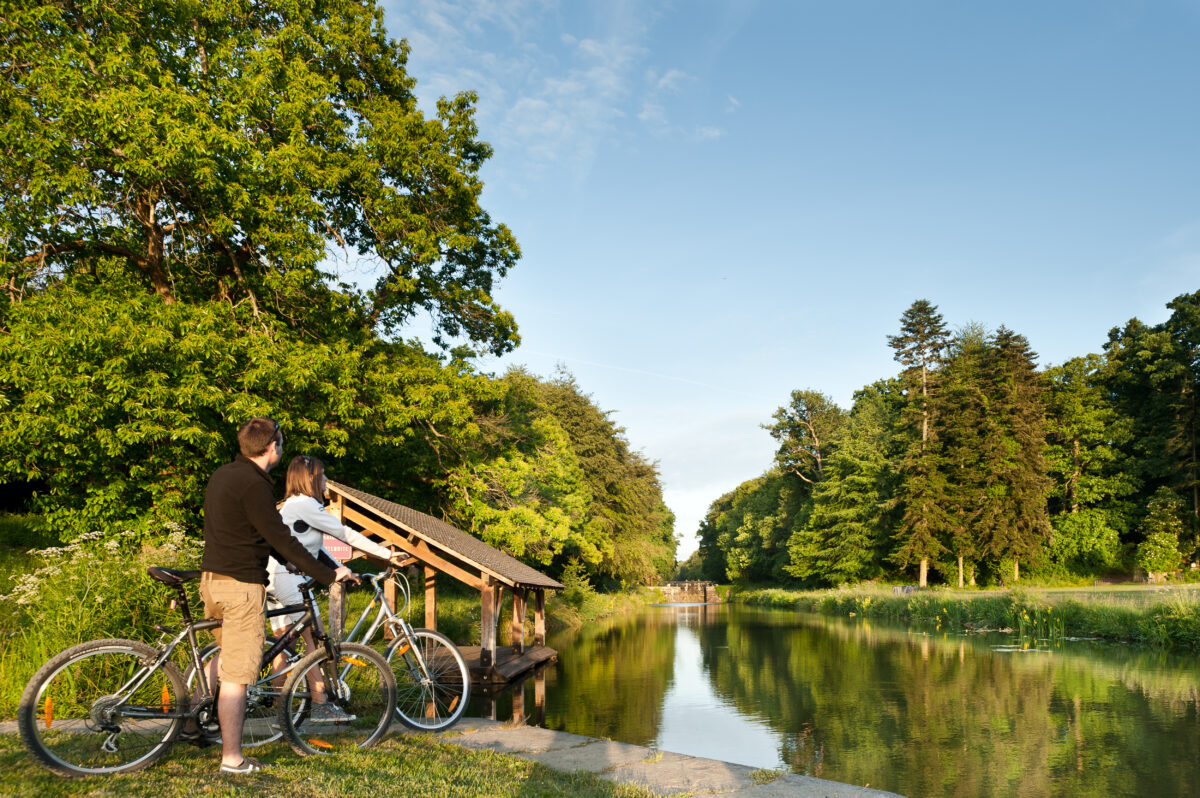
column 249, row 765
column 330, row 713
column 197, row 738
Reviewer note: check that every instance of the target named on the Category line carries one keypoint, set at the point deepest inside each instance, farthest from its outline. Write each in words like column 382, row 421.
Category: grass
column 400, row 765
column 1168, row 619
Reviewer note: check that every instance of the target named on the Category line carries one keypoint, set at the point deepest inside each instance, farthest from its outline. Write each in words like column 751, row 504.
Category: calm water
column 919, row 714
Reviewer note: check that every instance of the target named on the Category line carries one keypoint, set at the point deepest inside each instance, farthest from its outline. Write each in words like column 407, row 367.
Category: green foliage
column 552, row 479
column 1159, row 549
column 753, row 525
column 122, row 405
column 216, row 152
column 1087, row 541
column 806, row 429
column 93, row 588
column 846, row 532
column 179, row 180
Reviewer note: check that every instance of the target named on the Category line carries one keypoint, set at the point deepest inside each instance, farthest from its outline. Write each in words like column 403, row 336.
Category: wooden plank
column 518, row 621
column 430, row 597
column 418, row 547
column 539, row 617
column 507, row 667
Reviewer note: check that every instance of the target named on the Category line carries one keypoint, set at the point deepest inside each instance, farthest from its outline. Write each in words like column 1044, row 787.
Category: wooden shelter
column 441, row 548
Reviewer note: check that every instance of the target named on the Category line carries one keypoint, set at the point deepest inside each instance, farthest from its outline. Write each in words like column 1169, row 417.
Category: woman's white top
column 320, row 523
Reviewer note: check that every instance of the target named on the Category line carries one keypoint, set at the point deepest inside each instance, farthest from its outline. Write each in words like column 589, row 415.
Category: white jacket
column 320, row 523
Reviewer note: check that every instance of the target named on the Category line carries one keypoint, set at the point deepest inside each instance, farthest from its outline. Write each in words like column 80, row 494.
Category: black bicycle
column 114, row 705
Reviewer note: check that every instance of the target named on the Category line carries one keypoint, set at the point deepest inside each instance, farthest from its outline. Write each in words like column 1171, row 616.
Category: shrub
column 96, row 587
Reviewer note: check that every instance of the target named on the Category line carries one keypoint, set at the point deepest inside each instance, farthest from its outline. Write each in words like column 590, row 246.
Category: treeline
column 176, row 185
column 975, row 464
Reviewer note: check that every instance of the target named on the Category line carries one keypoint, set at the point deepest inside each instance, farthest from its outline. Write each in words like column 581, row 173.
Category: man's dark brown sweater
column 242, row 526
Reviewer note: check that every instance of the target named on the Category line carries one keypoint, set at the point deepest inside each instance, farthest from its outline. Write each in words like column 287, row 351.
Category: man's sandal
column 249, row 765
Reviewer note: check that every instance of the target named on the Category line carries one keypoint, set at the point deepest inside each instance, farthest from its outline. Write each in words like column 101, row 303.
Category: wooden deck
column 509, row 666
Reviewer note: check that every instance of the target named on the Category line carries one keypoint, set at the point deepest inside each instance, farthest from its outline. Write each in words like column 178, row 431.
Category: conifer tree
column 921, row 499
column 1015, row 519
column 963, row 429
column 845, row 535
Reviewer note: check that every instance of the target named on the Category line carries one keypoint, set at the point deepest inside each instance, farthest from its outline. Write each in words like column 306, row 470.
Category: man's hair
column 303, row 475
column 257, row 435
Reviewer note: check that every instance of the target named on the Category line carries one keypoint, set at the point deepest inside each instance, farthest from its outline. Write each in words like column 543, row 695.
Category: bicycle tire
column 434, row 702
column 365, row 689
column 259, row 726
column 71, row 722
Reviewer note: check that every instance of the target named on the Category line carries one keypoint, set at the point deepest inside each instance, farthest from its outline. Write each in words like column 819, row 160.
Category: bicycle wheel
column 95, row 708
column 433, row 697
column 259, row 727
column 359, row 683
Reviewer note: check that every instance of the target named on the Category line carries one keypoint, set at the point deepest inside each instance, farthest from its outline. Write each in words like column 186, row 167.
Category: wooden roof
column 445, row 540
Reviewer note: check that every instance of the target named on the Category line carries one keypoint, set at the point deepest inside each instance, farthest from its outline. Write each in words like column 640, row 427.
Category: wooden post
column 337, row 611
column 539, row 617
column 518, row 620
column 430, row 598
column 487, row 622
column 389, row 593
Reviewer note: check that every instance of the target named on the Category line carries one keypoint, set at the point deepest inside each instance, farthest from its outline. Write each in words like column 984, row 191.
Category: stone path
column 662, row 772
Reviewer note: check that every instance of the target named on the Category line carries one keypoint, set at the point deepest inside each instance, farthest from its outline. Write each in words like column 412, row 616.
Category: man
column 241, row 527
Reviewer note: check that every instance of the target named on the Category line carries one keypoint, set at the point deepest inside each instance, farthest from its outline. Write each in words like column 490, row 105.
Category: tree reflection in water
column 923, row 715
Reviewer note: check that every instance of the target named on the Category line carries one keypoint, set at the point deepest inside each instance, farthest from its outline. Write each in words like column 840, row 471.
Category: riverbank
column 1165, row 618
column 478, row 757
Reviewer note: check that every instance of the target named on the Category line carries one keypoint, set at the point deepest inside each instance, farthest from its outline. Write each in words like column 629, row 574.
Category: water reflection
column 871, row 704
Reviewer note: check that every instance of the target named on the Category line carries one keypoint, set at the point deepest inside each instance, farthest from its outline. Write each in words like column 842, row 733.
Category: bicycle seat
column 172, row 577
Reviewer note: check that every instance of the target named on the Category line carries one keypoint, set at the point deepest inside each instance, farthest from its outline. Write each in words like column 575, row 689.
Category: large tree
column 920, row 348
column 1014, row 524
column 844, row 537
column 964, row 428
column 221, row 152
column 805, row 429
column 178, row 180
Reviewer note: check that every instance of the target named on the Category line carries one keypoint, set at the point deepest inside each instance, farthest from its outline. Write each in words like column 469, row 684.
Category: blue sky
column 720, row 202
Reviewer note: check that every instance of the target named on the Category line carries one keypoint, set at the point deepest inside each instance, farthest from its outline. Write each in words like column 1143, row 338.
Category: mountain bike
column 115, row 705
column 433, row 684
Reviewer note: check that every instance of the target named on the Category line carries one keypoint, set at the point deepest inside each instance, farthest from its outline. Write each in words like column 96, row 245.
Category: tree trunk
column 1016, row 570
column 960, row 571
column 923, row 581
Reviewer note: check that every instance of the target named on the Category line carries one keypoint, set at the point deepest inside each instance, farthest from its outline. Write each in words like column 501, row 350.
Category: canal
column 919, row 713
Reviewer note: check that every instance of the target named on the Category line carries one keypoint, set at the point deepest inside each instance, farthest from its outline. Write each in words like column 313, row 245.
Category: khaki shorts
column 240, row 605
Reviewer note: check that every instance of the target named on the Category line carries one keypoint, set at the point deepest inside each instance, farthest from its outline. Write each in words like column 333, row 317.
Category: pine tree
column 963, row 428
column 844, row 538
column 922, row 494
column 1016, row 523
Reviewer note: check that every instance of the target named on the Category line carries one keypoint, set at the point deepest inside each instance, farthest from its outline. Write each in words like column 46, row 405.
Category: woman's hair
column 303, row 476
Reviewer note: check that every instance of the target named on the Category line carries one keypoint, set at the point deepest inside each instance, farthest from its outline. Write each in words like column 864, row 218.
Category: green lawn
column 401, row 765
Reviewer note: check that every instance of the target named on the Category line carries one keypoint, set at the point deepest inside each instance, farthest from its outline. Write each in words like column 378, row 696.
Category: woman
column 304, row 513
